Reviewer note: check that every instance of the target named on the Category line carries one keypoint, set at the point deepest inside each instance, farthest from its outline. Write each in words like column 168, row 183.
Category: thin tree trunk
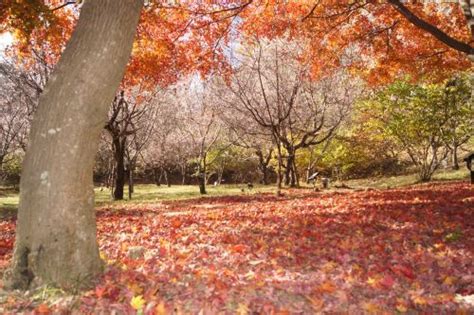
column 220, row 174
column 309, row 171
column 263, row 165
column 183, row 175
column 56, row 228
column 455, row 157
column 202, row 170
column 291, row 179
column 167, row 181
column 161, row 176
column 156, row 178
column 112, row 181
column 110, row 175
column 202, row 178
column 202, row 185
column 295, row 180
column 287, row 173
column 130, row 184
column 119, row 169
column 264, row 171
column 279, row 176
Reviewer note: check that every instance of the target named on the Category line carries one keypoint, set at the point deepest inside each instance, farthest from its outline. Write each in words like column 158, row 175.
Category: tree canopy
column 379, row 40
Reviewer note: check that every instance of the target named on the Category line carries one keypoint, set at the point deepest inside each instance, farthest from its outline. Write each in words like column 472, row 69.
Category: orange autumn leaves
column 371, row 38
column 375, row 41
column 36, row 26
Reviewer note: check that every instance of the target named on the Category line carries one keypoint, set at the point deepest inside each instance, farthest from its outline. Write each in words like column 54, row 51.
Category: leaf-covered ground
column 392, row 251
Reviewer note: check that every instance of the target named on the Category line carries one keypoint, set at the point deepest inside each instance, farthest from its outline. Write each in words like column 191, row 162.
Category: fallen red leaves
column 376, row 251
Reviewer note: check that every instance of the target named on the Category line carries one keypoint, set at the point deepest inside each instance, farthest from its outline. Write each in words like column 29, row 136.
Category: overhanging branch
column 433, row 30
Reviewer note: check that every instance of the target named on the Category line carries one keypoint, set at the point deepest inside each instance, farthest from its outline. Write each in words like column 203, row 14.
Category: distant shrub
column 11, row 170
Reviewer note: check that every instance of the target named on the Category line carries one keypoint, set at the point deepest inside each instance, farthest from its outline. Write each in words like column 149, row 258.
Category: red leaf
column 176, row 223
column 239, row 248
column 387, row 282
column 100, row 291
column 43, row 309
column 403, row 270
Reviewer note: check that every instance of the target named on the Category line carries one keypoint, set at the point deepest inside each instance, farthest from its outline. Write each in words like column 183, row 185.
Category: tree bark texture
column 56, row 228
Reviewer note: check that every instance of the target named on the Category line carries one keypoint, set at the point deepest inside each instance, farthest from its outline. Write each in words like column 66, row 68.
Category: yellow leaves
column 438, row 231
column 468, row 200
column 449, row 280
column 439, row 246
column 137, row 302
column 242, row 309
column 350, row 279
column 327, row 287
column 371, row 308
column 316, row 303
column 381, row 281
column 444, row 297
column 419, row 300
column 372, row 281
column 250, row 275
column 124, row 246
column 161, row 309
column 401, row 308
column 356, row 269
column 329, row 266
column 256, row 262
column 135, row 288
column 105, row 258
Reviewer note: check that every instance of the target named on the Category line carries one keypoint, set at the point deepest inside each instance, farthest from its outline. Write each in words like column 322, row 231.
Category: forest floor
column 401, row 250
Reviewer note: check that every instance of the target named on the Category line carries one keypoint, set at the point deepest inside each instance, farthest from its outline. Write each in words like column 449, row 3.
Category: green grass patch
column 407, row 180
column 150, row 193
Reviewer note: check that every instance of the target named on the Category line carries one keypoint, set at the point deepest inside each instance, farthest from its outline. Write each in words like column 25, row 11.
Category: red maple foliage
column 397, row 250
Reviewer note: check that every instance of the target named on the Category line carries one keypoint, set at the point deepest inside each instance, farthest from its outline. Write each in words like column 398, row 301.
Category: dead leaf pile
column 387, row 251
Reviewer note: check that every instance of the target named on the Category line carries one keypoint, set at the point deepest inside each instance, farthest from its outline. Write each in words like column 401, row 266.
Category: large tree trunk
column 56, row 229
